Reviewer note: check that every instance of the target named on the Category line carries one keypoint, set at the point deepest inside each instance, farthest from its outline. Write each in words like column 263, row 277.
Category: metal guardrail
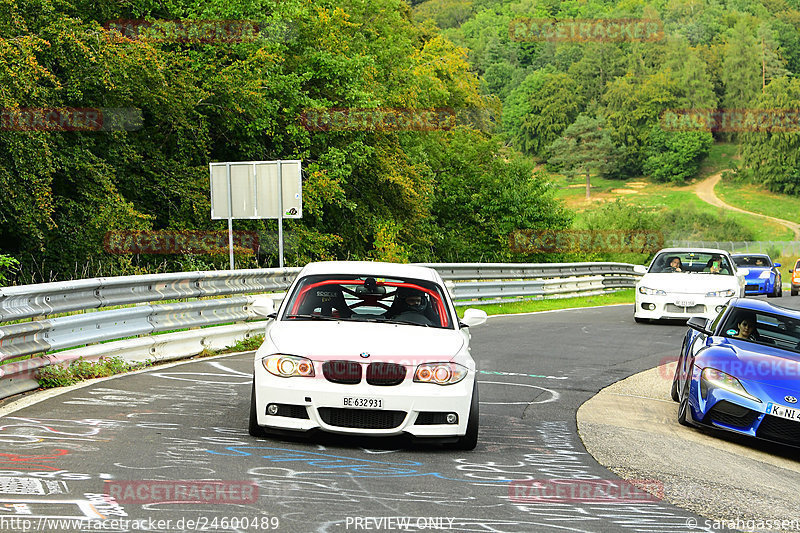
column 86, row 335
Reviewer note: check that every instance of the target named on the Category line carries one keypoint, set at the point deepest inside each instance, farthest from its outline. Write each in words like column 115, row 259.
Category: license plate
column 684, row 303
column 362, row 403
column 788, row 413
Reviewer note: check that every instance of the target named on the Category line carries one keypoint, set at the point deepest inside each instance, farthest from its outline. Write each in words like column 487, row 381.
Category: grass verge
column 624, row 296
column 757, row 199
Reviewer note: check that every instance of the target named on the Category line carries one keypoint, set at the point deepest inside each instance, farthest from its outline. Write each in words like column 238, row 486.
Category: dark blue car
column 763, row 276
column 741, row 372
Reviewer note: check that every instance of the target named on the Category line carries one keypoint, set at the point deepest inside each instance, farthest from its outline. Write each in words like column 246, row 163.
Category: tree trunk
column 588, row 186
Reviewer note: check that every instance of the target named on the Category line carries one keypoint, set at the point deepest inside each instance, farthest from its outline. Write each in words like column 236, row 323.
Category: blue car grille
column 731, row 414
column 778, row 429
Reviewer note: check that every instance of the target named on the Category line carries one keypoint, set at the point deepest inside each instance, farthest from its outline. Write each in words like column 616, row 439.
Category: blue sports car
column 741, row 372
column 763, row 276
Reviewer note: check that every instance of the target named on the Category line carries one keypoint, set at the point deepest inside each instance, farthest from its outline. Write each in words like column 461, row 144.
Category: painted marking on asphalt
column 554, row 396
column 496, row 373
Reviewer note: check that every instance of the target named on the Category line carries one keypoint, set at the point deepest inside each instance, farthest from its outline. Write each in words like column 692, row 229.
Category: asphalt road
column 62, row 457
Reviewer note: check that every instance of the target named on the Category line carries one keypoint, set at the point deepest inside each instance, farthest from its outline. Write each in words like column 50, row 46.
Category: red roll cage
column 374, row 299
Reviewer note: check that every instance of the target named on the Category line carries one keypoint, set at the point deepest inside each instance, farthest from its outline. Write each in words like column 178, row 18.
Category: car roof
column 371, row 268
column 691, row 249
column 750, row 255
column 760, row 305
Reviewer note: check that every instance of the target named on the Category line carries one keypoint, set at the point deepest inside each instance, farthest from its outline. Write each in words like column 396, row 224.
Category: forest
column 189, row 83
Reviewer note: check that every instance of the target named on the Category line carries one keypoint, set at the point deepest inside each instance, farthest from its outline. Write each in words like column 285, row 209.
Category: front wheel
column 683, row 408
column 470, row 438
column 253, row 428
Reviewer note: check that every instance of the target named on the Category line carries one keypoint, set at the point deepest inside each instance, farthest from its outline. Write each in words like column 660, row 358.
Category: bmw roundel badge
column 365, row 355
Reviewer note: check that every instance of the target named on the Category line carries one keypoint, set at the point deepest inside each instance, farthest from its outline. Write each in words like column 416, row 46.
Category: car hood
column 348, row 340
column 755, row 272
column 695, row 283
column 753, row 362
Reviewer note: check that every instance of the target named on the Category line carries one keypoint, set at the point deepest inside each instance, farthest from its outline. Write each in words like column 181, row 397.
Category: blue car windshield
column 763, row 328
column 757, row 261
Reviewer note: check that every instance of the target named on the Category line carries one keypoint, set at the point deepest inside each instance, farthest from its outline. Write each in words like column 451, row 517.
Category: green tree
column 741, row 67
column 675, row 156
column 585, row 147
column 550, row 110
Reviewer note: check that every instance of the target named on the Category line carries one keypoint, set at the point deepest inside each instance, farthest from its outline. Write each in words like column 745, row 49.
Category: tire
column 774, row 292
column 793, row 292
column 683, row 408
column 780, row 289
column 470, row 438
column 674, row 389
column 253, row 428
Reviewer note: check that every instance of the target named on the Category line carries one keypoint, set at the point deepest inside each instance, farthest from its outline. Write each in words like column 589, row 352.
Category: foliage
column 584, row 148
column 80, row 369
column 675, row 156
column 8, row 267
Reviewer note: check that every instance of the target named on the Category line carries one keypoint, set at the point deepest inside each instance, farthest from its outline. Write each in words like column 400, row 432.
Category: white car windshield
column 369, row 299
column 688, row 262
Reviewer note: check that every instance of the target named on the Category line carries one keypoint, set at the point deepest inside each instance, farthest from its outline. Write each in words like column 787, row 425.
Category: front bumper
column 760, row 286
column 322, row 402
column 674, row 306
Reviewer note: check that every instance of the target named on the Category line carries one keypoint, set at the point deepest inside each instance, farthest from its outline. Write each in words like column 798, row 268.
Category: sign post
column 256, row 190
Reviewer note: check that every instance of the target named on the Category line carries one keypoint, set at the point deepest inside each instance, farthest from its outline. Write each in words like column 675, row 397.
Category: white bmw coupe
column 682, row 283
column 367, row 349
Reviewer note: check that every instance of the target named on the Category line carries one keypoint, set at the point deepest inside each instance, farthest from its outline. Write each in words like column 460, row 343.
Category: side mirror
column 263, row 306
column 474, row 317
column 699, row 324
column 776, row 264
column 640, row 269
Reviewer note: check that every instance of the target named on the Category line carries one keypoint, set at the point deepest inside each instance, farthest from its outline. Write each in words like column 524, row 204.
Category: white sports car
column 368, row 349
column 682, row 283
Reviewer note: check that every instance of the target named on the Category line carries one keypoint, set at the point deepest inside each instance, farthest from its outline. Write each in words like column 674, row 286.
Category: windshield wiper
column 313, row 317
column 409, row 323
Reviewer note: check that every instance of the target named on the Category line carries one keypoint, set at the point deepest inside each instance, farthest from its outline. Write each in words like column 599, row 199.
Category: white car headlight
column 765, row 275
column 287, row 366
column 440, row 373
column 720, row 379
column 721, row 294
column 648, row 290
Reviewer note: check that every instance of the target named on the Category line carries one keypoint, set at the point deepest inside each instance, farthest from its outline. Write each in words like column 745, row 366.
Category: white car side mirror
column 474, row 317
column 640, row 269
column 262, row 306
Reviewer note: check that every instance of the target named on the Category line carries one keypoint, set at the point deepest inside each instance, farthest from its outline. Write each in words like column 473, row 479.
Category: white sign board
column 256, row 190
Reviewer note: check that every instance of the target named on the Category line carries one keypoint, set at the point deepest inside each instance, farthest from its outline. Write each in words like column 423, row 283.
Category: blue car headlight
column 765, row 275
column 711, row 377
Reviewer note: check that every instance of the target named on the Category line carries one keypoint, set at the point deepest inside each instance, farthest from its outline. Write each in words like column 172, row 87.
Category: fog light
column 272, row 409
column 651, row 307
column 452, row 418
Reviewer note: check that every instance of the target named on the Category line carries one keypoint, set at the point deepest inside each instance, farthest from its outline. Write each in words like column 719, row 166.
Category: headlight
column 720, row 379
column 721, row 294
column 647, row 290
column 440, row 373
column 765, row 275
column 287, row 366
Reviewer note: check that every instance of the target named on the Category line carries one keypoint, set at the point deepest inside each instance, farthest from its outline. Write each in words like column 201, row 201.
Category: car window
column 369, row 299
column 764, row 328
column 762, row 261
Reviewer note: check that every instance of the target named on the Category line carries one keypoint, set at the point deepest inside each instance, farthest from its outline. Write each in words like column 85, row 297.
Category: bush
column 79, row 370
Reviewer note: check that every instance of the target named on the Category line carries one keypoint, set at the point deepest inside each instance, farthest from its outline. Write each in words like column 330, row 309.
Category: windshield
column 692, row 263
column 762, row 261
column 763, row 328
column 369, row 299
